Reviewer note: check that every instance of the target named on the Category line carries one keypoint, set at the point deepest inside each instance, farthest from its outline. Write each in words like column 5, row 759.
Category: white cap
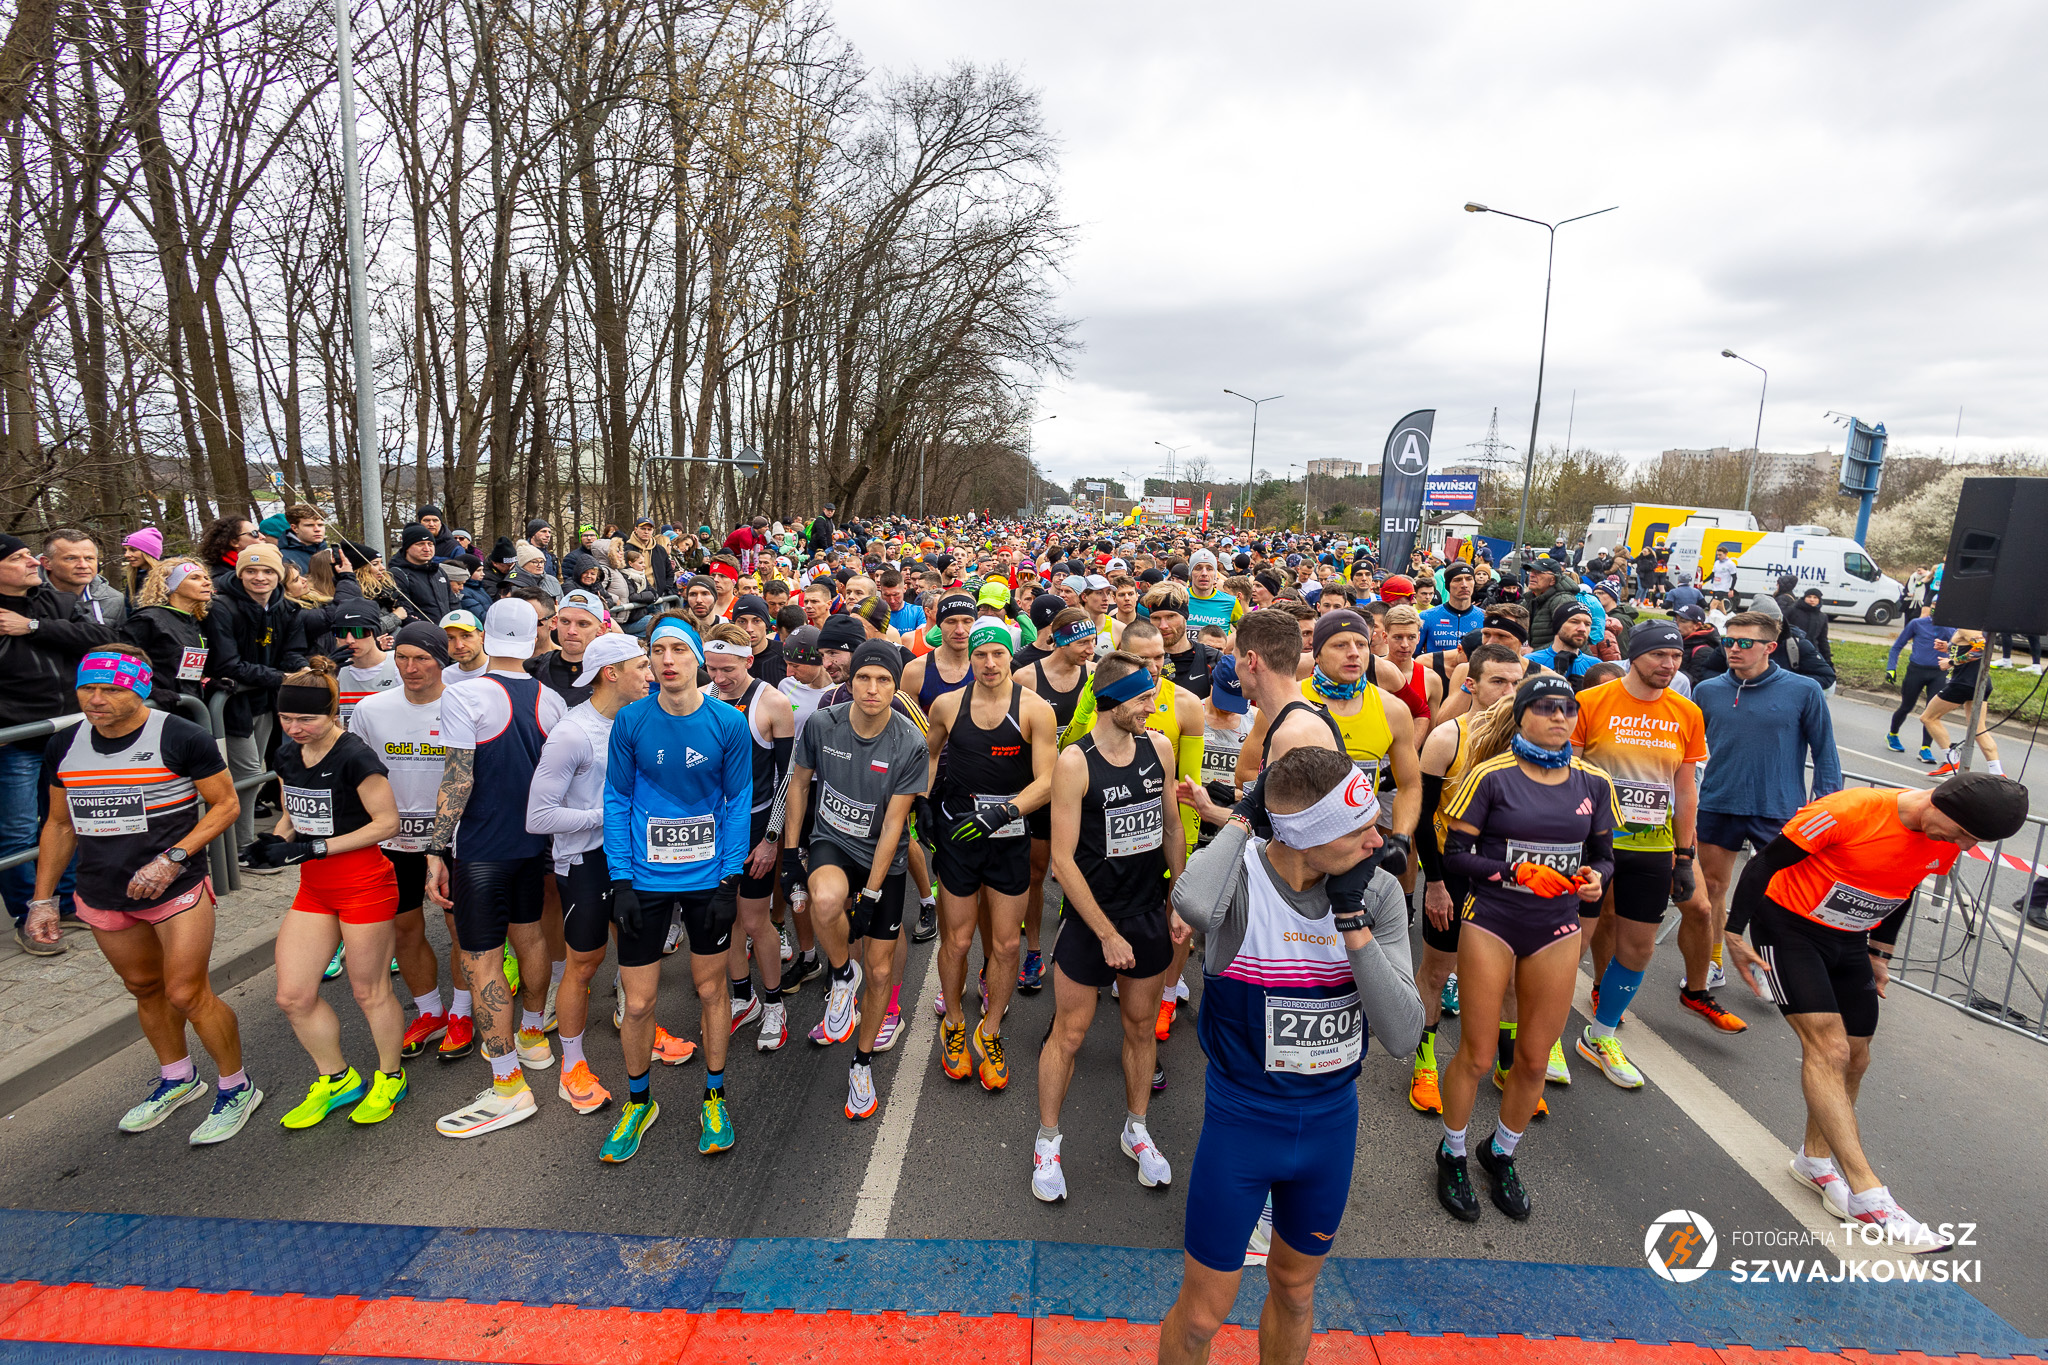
column 607, row 649
column 509, row 629
column 1201, row 557
column 1097, row 583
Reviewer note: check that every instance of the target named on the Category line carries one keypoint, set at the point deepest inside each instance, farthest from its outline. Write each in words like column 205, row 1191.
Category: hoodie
column 1760, row 734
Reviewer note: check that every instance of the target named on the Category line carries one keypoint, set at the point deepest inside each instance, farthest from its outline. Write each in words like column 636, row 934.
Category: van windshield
column 1858, row 566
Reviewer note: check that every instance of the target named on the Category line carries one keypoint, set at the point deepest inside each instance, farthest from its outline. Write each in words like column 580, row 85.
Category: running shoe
column 1606, row 1054
column 1717, row 976
column 1507, row 1192
column 1500, row 1083
column 674, row 939
column 548, row 1022
column 1901, row 1229
column 385, row 1093
column 618, row 1003
column 1139, row 1147
column 1424, row 1095
column 581, row 1090
column 1048, row 1181
column 990, row 1068
column 333, row 964
column 1824, row 1178
column 774, row 1028
column 860, row 1092
column 786, row 939
column 1261, row 1244
column 1447, row 1000
column 717, row 1135
column 1031, row 972
column 842, row 1009
column 231, row 1110
column 534, row 1052
column 1454, row 1186
column 1619, row 1023
column 323, row 1097
column 1946, row 769
column 1893, row 743
column 511, row 972
column 745, row 1011
column 891, row 1031
column 1158, row 1077
column 394, row 966
column 1164, row 1028
column 422, row 1030
column 927, row 922
column 635, row 1119
column 953, row 1052
column 1556, row 1072
column 165, row 1097
column 1709, row 1009
column 459, row 1039
column 670, row 1050
column 939, row 1003
column 488, row 1112
column 801, row 969
column 1926, row 754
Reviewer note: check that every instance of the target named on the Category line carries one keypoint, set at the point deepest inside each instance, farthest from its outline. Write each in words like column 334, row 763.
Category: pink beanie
column 149, row 540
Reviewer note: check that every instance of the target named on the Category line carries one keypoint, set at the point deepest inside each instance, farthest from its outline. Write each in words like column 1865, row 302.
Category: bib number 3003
column 1310, row 1037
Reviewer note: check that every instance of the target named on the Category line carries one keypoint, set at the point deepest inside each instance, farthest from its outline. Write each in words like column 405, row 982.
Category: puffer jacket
column 165, row 633
column 422, row 590
column 268, row 641
column 1542, row 608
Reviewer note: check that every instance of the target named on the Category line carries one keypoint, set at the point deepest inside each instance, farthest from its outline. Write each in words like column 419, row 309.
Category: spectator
column 223, row 541
column 1806, row 614
column 418, row 585
column 169, row 624
column 541, row 536
column 446, row 546
column 273, row 528
column 140, row 554
column 269, row 643
column 533, row 569
column 822, row 529
column 304, row 537
column 1704, row 657
column 71, row 563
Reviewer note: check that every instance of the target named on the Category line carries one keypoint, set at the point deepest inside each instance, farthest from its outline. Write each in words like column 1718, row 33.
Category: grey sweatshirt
column 1211, row 896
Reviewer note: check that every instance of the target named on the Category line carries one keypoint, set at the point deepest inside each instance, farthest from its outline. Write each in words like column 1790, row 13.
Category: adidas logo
column 1585, row 807
column 691, row 758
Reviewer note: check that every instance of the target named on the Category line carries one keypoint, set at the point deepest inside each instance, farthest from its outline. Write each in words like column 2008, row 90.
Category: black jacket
column 821, row 535
column 268, row 643
column 423, row 592
column 1704, row 657
column 39, row 671
column 165, row 633
column 1814, row 622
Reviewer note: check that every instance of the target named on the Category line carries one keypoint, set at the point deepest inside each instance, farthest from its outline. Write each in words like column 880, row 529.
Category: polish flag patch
column 878, row 765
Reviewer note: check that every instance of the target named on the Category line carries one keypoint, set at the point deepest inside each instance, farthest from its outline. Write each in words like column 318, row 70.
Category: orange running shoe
column 421, row 1031
column 1500, row 1083
column 953, row 1052
column 459, row 1039
column 993, row 1071
column 670, row 1050
column 581, row 1089
column 1423, row 1095
column 1709, row 1009
column 1165, row 1026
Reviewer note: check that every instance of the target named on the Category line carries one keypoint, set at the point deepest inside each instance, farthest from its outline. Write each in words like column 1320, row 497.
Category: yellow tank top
column 1165, row 717
column 1453, row 775
column 1367, row 737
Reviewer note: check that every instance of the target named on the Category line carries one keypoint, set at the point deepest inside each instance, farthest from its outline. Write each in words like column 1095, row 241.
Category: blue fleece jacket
column 1924, row 638
column 1759, row 735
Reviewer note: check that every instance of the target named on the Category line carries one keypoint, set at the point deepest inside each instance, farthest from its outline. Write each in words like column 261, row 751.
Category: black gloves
column 1684, row 882
column 271, row 851
column 1394, row 854
column 626, row 910
column 792, row 873
column 982, row 822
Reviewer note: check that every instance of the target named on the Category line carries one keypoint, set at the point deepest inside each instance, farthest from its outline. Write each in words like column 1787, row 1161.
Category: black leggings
column 1919, row 679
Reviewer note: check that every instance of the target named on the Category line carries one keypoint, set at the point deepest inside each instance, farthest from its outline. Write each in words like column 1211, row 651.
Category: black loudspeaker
column 1995, row 577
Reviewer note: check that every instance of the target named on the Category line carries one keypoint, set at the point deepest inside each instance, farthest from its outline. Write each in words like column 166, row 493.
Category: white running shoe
column 1048, row 1181
column 618, row 1004
column 488, row 1112
column 860, row 1092
column 841, row 1008
column 1139, row 1147
column 745, row 1013
column 1555, row 1070
column 1824, row 1178
column 1261, row 1244
column 1901, row 1229
column 548, row 1023
column 1717, row 976
column 787, row 937
column 774, row 1028
column 674, row 939
column 891, row 1031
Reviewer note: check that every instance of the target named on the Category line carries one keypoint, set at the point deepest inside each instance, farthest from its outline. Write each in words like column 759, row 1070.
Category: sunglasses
column 356, row 633
column 1737, row 642
column 1553, row 707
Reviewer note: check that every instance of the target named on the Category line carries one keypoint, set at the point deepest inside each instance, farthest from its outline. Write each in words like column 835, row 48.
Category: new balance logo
column 691, row 758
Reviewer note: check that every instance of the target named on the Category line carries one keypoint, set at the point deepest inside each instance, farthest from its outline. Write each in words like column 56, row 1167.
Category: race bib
column 191, row 665
column 1845, row 907
column 415, row 828
column 1219, row 765
column 692, row 839
column 1642, row 803
column 855, row 819
column 1559, row 858
column 1013, row 830
column 311, row 811
column 108, row 811
column 1133, row 829
column 1312, row 1037
column 1382, row 779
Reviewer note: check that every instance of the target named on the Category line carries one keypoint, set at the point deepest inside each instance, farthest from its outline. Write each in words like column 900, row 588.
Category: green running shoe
column 385, row 1093
column 323, row 1097
column 717, row 1135
column 511, row 970
column 167, row 1095
column 231, row 1110
column 625, row 1138
column 333, row 964
column 1448, row 1000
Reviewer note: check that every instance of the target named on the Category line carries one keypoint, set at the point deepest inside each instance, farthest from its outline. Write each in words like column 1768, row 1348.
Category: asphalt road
column 1710, row 1133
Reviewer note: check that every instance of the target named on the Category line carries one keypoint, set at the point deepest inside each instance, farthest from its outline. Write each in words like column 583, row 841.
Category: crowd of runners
column 794, row 750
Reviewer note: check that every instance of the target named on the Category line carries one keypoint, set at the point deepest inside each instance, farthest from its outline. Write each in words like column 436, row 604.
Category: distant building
column 1335, row 469
column 1775, row 469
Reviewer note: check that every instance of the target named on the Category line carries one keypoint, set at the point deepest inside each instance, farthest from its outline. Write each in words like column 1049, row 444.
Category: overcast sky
column 1270, row 199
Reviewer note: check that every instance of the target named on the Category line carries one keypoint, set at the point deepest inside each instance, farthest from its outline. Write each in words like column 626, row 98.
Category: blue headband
column 1073, row 634
column 672, row 629
column 1135, row 683
column 110, row 667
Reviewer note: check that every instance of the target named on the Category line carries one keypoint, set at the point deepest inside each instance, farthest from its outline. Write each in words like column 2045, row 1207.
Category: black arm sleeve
column 1886, row 934
column 1462, row 857
column 1598, row 855
column 1749, row 889
column 783, row 748
column 1425, row 830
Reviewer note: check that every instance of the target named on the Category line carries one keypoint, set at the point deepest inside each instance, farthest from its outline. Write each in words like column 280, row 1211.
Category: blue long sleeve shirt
column 1759, row 735
column 666, row 776
column 1443, row 626
column 1925, row 639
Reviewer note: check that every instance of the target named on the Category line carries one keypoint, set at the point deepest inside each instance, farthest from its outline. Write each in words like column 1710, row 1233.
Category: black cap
column 1567, row 611
column 1986, row 805
column 1690, row 613
column 1542, row 685
column 412, row 535
column 1044, row 607
column 750, row 604
column 841, row 632
column 1651, row 635
column 1457, row 568
column 800, row 646
column 876, row 654
column 424, row 635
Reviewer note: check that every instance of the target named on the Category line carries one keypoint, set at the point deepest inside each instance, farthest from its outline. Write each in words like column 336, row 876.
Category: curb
column 50, row 1061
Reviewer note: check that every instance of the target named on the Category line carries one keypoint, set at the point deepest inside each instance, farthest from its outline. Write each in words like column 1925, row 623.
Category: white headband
column 178, row 577
column 1345, row 809
column 728, row 647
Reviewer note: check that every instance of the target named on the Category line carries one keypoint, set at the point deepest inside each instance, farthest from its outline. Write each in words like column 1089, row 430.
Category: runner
column 1207, row 605
column 1290, row 992
column 567, row 803
column 368, row 669
column 1112, row 805
column 1963, row 662
column 338, row 806
column 992, row 749
column 1534, row 859
column 464, row 636
column 1823, row 905
column 807, row 686
column 1059, row 678
column 728, row 655
column 679, row 787
column 579, row 620
column 124, row 791
column 1444, row 625
column 870, row 763
column 493, row 728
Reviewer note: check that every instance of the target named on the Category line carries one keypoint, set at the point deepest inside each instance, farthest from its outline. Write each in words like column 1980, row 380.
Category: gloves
column 927, row 819
column 1221, row 792
column 1684, row 881
column 983, row 822
column 271, row 851
column 626, row 909
column 1394, row 854
column 1547, row 882
column 1891, row 675
column 792, row 873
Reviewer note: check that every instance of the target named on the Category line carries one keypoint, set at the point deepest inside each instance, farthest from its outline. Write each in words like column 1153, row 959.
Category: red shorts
column 114, row 921
column 360, row 887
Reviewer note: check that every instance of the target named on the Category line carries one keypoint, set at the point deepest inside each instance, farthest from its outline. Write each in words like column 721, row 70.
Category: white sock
column 1995, row 768
column 572, row 1052
column 460, row 1009
column 927, row 900
column 1869, row 1199
column 430, row 1003
column 1505, row 1140
column 529, row 1021
column 1454, row 1140
column 555, row 973
column 1812, row 1165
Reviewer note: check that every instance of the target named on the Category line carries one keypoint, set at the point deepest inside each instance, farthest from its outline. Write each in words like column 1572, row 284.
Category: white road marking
column 1917, row 772
column 899, row 1111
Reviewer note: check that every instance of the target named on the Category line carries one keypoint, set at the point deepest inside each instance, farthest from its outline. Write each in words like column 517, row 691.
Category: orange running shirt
column 1864, row 862
column 1640, row 745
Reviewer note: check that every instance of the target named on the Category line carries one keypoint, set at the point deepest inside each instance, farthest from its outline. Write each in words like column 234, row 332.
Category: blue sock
column 715, row 1080
column 636, row 1087
column 1617, row 987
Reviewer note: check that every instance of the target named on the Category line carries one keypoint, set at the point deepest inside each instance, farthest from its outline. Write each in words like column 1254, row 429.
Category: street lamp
column 1030, row 471
column 1542, row 352
column 1253, row 463
column 1756, row 449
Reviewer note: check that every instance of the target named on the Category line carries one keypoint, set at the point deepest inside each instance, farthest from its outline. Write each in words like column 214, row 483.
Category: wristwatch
column 319, row 848
column 176, row 855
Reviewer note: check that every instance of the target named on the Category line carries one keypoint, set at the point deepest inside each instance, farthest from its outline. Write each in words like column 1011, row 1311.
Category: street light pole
column 1252, row 465
column 1172, row 484
column 1756, row 449
column 358, row 287
column 1542, row 354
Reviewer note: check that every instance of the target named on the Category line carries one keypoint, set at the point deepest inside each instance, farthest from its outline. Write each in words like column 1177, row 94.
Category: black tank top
column 763, row 750
column 1266, row 744
column 982, row 762
column 935, row 686
column 1121, row 849
column 1063, row 703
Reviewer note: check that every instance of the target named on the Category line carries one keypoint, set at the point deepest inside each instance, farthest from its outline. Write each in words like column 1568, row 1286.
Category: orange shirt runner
column 1864, row 862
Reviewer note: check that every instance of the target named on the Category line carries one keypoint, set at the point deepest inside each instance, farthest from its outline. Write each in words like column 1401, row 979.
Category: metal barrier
column 14, row 734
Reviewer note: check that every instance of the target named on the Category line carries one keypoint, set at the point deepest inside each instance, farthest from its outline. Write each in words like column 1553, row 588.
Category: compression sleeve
column 1188, row 760
column 618, row 794
column 1749, row 889
column 1598, row 855
column 1886, row 934
column 1425, row 830
column 784, row 747
column 547, row 801
column 1203, row 894
column 1461, row 855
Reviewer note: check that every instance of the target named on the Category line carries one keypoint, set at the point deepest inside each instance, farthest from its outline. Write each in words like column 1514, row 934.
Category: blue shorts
column 1301, row 1154
column 1728, row 831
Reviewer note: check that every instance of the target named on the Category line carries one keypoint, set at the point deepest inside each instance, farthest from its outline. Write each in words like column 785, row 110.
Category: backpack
column 1804, row 658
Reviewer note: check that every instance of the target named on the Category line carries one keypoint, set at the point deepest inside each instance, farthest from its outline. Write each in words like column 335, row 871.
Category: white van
column 1850, row 584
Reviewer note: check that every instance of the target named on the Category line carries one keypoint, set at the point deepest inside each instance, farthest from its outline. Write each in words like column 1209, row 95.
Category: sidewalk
column 64, row 1014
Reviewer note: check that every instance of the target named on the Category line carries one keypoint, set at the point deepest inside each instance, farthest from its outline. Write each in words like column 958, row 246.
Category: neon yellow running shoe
column 718, row 1135
column 385, row 1093
column 324, row 1096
